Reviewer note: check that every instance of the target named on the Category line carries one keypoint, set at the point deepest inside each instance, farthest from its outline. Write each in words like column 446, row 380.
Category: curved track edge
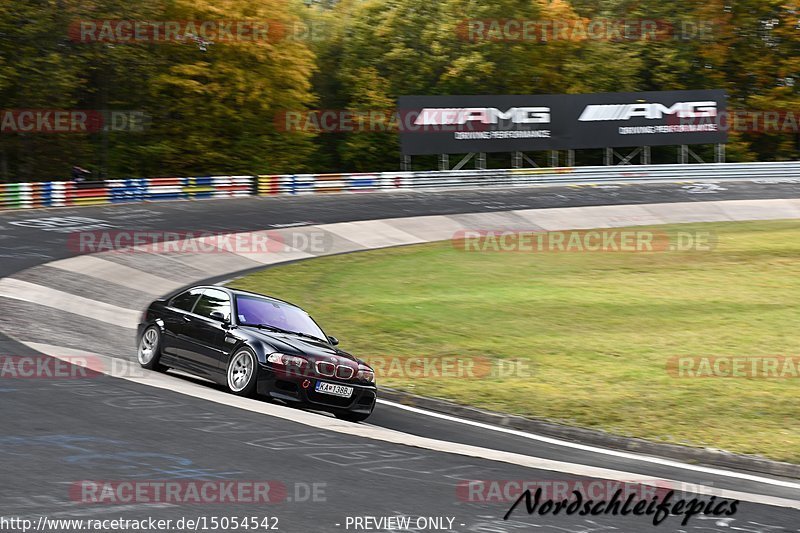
column 94, row 275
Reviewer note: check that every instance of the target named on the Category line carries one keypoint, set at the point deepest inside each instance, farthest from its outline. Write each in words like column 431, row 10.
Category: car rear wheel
column 242, row 372
column 352, row 417
column 149, row 352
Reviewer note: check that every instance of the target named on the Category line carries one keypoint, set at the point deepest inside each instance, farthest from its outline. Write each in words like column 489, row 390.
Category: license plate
column 334, row 390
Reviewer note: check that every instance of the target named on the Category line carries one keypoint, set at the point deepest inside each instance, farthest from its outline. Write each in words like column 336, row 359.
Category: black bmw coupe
column 254, row 344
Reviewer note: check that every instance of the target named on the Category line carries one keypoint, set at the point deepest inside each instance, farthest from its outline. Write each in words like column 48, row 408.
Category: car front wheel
column 242, row 372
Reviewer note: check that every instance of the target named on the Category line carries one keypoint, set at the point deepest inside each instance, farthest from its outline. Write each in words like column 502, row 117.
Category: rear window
column 185, row 301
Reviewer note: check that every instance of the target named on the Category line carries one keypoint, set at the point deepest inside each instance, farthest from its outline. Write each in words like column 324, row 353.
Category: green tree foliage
column 217, row 108
column 210, row 106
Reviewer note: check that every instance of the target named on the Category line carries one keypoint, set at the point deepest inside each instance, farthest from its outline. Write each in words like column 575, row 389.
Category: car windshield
column 254, row 311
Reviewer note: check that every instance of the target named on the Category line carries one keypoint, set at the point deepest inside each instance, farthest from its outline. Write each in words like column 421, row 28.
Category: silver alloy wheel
column 240, row 371
column 148, row 346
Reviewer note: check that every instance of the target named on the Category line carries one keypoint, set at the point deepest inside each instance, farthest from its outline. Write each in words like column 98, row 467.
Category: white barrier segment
column 96, row 267
column 39, row 294
column 58, row 194
column 132, row 372
column 373, row 234
column 331, row 184
column 394, row 180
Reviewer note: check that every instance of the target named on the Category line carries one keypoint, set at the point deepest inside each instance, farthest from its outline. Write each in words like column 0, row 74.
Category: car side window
column 186, row 300
column 213, row 301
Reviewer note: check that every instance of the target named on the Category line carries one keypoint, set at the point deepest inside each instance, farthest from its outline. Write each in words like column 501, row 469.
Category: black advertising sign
column 461, row 124
column 645, row 119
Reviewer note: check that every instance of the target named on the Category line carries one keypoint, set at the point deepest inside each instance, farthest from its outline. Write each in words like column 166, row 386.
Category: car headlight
column 287, row 360
column 365, row 374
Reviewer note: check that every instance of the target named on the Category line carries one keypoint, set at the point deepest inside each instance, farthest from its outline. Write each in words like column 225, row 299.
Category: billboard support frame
column 461, row 164
column 685, row 153
column 611, row 155
column 518, row 160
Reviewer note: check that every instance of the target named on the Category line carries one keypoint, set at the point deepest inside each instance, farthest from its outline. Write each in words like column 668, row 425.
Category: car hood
column 289, row 344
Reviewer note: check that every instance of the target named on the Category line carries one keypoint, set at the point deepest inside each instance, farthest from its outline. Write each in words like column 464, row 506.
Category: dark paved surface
column 57, row 432
column 27, row 240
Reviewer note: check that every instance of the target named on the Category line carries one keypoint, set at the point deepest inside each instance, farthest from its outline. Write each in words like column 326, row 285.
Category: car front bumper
column 300, row 390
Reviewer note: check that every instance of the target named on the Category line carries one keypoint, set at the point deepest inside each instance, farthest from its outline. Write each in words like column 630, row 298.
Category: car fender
column 262, row 350
column 259, row 347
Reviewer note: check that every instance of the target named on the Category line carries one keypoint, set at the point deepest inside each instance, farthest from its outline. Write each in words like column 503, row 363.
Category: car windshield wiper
column 307, row 335
column 281, row 330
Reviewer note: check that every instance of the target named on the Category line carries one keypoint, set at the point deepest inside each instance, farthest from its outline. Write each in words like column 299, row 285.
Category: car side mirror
column 333, row 340
column 219, row 315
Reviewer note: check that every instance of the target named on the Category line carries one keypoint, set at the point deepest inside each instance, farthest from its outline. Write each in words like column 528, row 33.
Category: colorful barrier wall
column 65, row 193
column 28, row 195
column 68, row 193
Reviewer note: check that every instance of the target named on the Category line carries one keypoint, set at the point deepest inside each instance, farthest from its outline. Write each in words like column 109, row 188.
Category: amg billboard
column 460, row 124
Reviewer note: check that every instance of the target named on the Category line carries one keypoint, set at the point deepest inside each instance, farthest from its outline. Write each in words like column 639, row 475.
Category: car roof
column 246, row 293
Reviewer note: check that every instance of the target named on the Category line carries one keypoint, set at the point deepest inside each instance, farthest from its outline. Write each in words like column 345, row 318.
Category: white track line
column 602, row 451
column 162, row 381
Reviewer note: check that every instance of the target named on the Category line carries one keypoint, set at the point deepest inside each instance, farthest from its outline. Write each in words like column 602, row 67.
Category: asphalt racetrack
column 323, row 473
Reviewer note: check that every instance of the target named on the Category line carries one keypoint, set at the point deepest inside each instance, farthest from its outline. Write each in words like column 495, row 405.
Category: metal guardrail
column 313, row 183
column 58, row 194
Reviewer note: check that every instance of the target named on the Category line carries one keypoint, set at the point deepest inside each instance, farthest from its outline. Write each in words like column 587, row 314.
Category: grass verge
column 597, row 330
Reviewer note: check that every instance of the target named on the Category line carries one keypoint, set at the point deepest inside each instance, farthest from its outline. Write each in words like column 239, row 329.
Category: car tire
column 352, row 417
column 149, row 351
column 242, row 373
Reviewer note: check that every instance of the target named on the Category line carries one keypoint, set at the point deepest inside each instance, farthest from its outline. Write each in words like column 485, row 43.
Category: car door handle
column 186, row 318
